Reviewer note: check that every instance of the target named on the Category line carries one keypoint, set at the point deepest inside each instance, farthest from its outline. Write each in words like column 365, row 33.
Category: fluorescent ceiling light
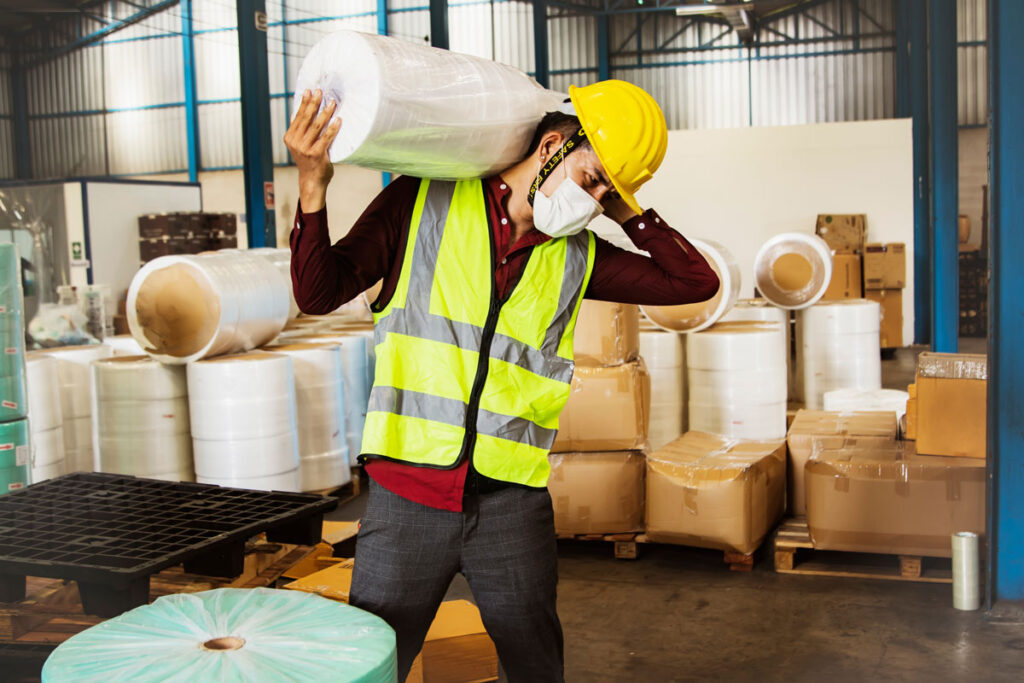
column 690, row 10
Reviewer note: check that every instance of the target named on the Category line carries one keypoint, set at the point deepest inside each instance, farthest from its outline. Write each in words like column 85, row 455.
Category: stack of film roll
column 663, row 355
column 356, row 381
column 702, row 315
column 232, row 634
column 13, row 403
column 282, row 260
column 45, row 418
column 141, row 419
column 319, row 397
column 185, row 308
column 760, row 309
column 75, row 386
column 837, row 348
column 736, row 380
column 244, row 427
column 15, row 455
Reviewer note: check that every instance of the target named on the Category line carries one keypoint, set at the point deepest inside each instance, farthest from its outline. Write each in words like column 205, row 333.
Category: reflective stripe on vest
column 460, row 374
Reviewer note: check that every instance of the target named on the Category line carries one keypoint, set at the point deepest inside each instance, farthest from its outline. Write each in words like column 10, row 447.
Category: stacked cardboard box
column 947, row 410
column 845, row 235
column 596, row 481
column 165, row 234
column 885, row 276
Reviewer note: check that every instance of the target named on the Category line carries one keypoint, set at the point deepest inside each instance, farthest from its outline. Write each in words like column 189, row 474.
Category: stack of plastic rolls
column 663, row 354
column 244, row 426
column 141, row 419
column 75, row 386
column 837, row 348
column 13, row 405
column 45, row 418
column 15, row 455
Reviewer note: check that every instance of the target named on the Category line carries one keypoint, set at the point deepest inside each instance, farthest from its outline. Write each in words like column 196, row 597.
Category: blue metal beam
column 439, row 23
column 540, row 42
column 257, row 155
column 603, row 61
column 19, row 103
column 917, row 30
column 942, row 78
column 191, row 107
column 1006, row 307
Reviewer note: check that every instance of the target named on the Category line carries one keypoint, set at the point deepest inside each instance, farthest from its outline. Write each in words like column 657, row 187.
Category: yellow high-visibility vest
column 461, row 374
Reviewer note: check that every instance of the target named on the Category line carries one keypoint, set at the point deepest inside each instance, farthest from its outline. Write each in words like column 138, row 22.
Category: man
column 474, row 324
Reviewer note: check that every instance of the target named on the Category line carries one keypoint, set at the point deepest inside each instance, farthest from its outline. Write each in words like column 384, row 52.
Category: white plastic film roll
column 124, row 345
column 73, row 377
column 758, row 422
column 286, row 481
column 966, row 584
column 245, row 396
column 325, row 471
column 156, row 418
column 793, row 270
column 78, row 447
column 244, row 458
column 282, row 260
column 661, row 349
column 700, row 316
column 15, row 445
column 48, row 447
column 137, row 378
column 837, row 348
column 663, row 354
column 850, row 400
column 44, row 472
column 421, row 111
column 145, row 455
column 741, row 345
column 185, row 308
column 44, row 396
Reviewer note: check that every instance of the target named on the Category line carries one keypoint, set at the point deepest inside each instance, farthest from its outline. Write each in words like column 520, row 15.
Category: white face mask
column 567, row 211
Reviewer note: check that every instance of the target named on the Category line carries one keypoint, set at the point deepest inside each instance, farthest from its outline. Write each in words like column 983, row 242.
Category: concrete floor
column 678, row 614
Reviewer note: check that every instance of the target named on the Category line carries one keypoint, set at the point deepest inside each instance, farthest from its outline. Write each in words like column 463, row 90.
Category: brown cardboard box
column 845, row 283
column 813, row 429
column 597, row 493
column 910, row 432
column 333, row 535
column 951, row 404
column 887, row 499
column 334, row 582
column 845, row 233
column 890, row 303
column 885, row 265
column 607, row 333
column 708, row 491
column 608, row 409
column 457, row 648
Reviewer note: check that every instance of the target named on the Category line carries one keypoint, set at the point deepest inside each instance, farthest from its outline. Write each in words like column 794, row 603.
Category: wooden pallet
column 625, row 548
column 795, row 554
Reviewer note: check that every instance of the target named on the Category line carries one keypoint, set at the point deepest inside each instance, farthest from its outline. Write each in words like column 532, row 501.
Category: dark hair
column 555, row 121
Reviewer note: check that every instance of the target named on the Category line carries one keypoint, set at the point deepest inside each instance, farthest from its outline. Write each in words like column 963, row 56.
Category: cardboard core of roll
column 178, row 310
column 224, row 644
column 792, row 272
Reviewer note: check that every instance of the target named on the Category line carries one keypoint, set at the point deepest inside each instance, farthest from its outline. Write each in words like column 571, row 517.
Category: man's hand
column 308, row 139
column 616, row 209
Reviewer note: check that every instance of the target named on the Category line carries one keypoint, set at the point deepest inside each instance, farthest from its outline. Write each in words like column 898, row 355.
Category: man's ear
column 549, row 144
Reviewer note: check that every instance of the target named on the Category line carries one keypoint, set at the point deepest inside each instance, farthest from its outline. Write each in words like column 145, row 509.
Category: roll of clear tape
column 185, row 308
column 282, row 260
column 73, row 377
column 966, row 584
column 244, row 396
column 137, row 378
column 286, row 481
column 661, row 349
column 246, row 458
column 231, row 634
column 700, row 316
column 742, row 345
column 792, row 270
column 15, row 444
column 144, row 455
column 78, row 446
column 421, row 111
column 325, row 471
column 44, row 400
column 47, row 447
column 748, row 421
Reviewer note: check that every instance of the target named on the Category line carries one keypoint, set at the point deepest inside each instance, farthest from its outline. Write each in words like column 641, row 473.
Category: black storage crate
column 110, row 532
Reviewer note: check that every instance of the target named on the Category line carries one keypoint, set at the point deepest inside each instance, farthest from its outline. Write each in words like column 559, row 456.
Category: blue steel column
column 19, row 102
column 603, row 62
column 942, row 77
column 257, row 155
column 382, row 30
column 439, row 23
column 917, row 30
column 540, row 43
column 188, row 53
column 1006, row 307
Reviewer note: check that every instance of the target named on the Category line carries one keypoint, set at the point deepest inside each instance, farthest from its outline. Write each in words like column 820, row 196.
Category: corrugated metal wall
column 972, row 62
column 6, row 124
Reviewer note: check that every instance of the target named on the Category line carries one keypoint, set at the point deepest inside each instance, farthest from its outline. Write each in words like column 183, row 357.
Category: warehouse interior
column 814, row 473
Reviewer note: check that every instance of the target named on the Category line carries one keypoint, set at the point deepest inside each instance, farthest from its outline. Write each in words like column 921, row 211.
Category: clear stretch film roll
column 837, row 348
column 421, row 111
column 793, row 270
column 761, row 310
column 319, row 398
column 282, row 260
column 44, row 399
column 851, row 400
column 168, row 457
column 286, row 481
column 14, row 479
column 700, row 316
column 737, row 380
column 966, row 586
column 231, row 634
column 124, row 345
column 663, row 354
column 15, row 445
column 73, row 377
column 13, row 400
column 78, row 446
column 185, row 308
column 48, row 447
column 44, row 472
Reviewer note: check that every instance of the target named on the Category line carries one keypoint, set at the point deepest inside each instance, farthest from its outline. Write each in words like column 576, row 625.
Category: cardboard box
column 844, row 233
column 608, row 409
column 334, row 582
column 597, row 493
column 885, row 265
column 337, row 542
column 817, row 429
column 888, row 499
column 952, row 399
column 890, row 303
column 711, row 492
column 845, row 283
column 606, row 333
column 457, row 648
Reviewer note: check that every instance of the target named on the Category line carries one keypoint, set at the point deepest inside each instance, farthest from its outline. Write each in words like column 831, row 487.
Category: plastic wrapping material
column 15, row 445
column 282, row 260
column 966, row 577
column 124, row 345
column 14, row 479
column 711, row 492
column 815, row 429
column 740, row 420
column 13, row 401
column 155, row 456
column 743, row 345
column 887, row 499
column 234, row 635
column 137, row 378
column 11, row 297
column 47, row 447
column 421, row 111
column 793, row 270
column 286, row 481
column 321, row 414
column 73, row 377
column 608, row 409
column 849, row 400
column 44, row 396
column 244, row 396
column 837, row 348
column 44, row 472
column 761, row 310
column 700, row 316
column 662, row 352
column 661, row 349
column 240, row 458
column 597, row 493
column 952, row 365
column 606, row 333
column 78, row 446
column 185, row 308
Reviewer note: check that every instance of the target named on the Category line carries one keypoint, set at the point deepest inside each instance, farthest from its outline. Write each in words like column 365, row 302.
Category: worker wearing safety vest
column 482, row 281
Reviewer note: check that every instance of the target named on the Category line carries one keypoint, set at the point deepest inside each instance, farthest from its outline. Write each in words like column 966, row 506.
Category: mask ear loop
column 557, row 158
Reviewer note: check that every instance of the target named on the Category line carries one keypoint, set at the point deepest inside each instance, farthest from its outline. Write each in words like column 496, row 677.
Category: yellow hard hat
column 627, row 130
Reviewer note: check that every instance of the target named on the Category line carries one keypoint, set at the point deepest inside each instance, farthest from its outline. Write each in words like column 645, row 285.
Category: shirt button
column 504, row 186
column 641, row 226
column 504, row 221
column 504, row 261
column 657, row 220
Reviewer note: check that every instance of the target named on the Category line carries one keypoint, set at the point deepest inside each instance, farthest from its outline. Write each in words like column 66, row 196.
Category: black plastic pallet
column 110, row 532
column 23, row 661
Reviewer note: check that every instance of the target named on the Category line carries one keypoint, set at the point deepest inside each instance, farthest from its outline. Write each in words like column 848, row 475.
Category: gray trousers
column 503, row 543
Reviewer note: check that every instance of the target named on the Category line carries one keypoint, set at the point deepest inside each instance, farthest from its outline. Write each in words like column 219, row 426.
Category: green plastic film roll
column 13, row 479
column 10, row 281
column 15, row 450
column 13, row 404
column 230, row 635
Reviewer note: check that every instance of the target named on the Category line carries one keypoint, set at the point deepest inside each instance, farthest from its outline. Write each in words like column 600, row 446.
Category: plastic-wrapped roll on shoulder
column 700, row 316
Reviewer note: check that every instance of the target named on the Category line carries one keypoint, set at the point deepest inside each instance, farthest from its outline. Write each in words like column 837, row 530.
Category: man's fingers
column 317, row 127
column 327, row 139
column 307, row 110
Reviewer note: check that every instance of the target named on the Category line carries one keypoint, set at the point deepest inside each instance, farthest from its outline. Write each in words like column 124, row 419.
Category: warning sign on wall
column 268, row 195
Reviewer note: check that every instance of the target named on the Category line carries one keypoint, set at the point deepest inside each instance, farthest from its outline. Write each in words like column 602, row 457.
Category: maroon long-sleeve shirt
column 325, row 276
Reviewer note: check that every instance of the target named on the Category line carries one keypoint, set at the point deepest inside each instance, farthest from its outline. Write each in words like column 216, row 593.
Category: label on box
column 15, row 486
column 9, row 404
column 20, row 456
column 3, row 309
